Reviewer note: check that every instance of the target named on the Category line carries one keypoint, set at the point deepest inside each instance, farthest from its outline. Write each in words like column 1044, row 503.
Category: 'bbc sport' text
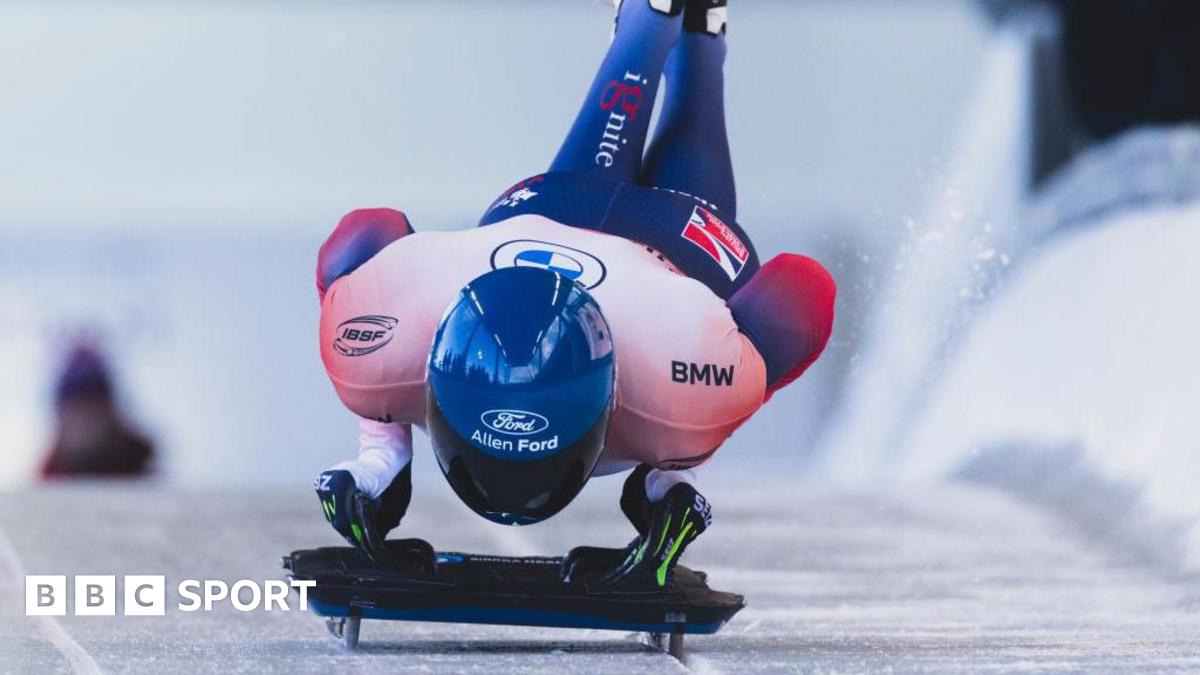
column 146, row 595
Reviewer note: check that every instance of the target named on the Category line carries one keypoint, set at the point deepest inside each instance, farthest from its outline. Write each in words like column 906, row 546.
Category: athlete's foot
column 668, row 7
column 706, row 16
column 664, row 7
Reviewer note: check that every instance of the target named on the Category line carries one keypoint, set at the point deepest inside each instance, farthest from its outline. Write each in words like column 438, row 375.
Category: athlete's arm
column 359, row 235
column 786, row 309
column 365, row 498
column 383, row 452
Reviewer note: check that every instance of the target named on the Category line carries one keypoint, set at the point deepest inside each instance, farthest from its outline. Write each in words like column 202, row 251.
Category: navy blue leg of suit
column 609, row 136
column 598, row 181
column 786, row 306
column 690, row 150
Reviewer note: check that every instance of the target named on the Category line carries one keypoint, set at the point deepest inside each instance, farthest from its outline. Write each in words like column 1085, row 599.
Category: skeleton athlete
column 609, row 315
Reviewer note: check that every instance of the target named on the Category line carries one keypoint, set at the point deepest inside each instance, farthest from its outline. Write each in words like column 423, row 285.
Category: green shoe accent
column 641, row 551
column 666, row 563
column 357, row 531
column 663, row 536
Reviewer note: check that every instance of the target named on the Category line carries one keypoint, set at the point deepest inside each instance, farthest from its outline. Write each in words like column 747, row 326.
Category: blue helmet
column 520, row 388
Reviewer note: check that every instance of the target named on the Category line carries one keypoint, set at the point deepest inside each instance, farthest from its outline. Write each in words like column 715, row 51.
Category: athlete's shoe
column 668, row 7
column 362, row 521
column 706, row 16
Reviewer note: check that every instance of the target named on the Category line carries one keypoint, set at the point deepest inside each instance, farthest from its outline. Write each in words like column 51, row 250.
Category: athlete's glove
column 364, row 522
column 665, row 528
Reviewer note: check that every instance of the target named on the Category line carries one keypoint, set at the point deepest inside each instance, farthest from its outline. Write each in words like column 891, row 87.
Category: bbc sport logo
column 146, row 595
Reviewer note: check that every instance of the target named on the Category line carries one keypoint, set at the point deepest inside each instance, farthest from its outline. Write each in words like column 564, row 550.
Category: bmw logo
column 571, row 263
column 550, row 260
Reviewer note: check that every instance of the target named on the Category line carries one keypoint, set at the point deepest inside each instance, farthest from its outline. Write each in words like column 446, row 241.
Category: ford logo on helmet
column 514, row 422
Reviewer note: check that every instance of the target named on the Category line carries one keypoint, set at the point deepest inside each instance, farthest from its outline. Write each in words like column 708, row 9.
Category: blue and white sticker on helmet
column 571, row 263
column 525, row 426
column 511, row 432
column 514, row 422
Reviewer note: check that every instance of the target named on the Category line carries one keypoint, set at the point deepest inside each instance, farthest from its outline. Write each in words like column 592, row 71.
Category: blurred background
column 167, row 172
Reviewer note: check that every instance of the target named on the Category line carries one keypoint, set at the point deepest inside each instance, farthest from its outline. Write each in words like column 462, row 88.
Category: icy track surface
column 949, row 580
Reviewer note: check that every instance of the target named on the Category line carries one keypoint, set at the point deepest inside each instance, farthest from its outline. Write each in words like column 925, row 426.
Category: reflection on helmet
column 521, row 381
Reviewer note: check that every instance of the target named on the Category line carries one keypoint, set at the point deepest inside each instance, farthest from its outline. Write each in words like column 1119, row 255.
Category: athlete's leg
column 690, row 150
column 609, row 135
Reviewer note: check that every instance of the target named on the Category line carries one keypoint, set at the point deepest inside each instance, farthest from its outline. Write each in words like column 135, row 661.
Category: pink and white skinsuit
column 687, row 376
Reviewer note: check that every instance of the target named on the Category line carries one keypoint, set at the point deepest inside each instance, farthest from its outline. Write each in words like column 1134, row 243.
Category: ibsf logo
column 363, row 335
column 514, row 422
column 622, row 100
column 718, row 240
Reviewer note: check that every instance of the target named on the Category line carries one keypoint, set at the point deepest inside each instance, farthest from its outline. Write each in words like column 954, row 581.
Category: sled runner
column 484, row 589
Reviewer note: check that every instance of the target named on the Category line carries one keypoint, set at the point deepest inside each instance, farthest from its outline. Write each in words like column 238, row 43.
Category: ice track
column 947, row 580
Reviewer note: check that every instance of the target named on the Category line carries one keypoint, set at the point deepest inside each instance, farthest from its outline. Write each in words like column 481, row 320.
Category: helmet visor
column 508, row 491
